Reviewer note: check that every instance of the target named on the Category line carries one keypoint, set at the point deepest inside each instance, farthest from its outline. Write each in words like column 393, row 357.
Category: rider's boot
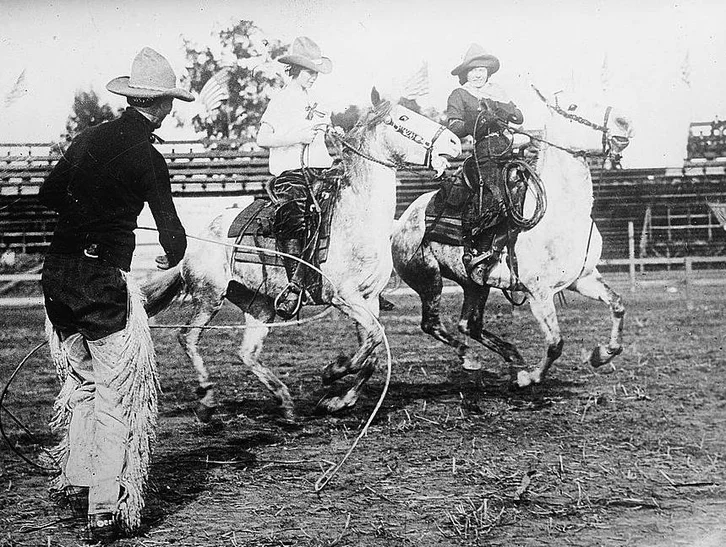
column 289, row 301
column 467, row 235
column 484, row 260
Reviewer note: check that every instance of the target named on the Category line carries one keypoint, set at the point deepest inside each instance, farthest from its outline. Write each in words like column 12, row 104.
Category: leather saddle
column 254, row 227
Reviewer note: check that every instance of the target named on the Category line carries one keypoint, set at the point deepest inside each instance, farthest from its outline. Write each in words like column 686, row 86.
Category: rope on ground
column 17, row 421
column 283, row 324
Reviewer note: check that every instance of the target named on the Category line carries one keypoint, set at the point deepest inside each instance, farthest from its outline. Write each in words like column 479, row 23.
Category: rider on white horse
column 293, row 128
column 481, row 109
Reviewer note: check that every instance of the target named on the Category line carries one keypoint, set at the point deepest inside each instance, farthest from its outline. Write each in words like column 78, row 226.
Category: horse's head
column 407, row 137
column 587, row 126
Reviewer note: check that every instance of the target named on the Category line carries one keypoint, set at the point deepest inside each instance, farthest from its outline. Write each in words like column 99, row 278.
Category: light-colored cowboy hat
column 151, row 77
column 306, row 53
column 476, row 56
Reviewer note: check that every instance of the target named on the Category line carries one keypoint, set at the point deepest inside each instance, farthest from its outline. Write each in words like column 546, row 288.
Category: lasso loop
column 18, row 422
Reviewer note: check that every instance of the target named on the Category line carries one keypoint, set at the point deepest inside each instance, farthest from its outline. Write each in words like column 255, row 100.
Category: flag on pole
column 605, row 75
column 418, row 84
column 18, row 90
column 215, row 91
column 686, row 69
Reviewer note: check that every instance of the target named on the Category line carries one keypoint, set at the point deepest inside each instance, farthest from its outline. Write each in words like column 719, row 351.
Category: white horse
column 560, row 252
column 358, row 264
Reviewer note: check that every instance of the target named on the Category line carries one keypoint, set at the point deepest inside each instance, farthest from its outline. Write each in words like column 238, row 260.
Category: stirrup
column 289, row 301
column 478, row 260
column 479, row 268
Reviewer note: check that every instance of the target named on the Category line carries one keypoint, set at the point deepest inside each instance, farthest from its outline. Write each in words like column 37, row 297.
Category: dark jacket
column 463, row 109
column 99, row 188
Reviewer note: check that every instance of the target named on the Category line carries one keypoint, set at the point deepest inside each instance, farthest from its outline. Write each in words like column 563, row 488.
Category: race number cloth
column 291, row 110
column 106, row 413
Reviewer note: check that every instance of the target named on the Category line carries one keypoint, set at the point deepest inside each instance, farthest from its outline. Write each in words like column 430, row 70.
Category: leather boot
column 467, row 235
column 485, row 251
column 288, row 302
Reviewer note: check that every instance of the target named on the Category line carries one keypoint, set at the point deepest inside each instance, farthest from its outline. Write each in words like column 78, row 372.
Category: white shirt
column 294, row 108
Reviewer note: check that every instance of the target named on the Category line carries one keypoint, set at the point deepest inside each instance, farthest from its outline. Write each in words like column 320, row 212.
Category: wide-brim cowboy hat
column 151, row 77
column 306, row 53
column 474, row 57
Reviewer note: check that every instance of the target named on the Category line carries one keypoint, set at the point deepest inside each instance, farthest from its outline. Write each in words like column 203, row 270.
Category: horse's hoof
column 524, row 379
column 287, row 419
column 204, row 413
column 470, row 364
column 335, row 370
column 331, row 405
column 601, row 355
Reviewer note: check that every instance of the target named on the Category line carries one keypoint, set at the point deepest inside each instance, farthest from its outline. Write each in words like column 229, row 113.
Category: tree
column 87, row 111
column 247, row 55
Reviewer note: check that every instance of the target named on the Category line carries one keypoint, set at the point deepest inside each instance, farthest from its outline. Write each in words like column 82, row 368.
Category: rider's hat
column 474, row 57
column 306, row 53
column 151, row 77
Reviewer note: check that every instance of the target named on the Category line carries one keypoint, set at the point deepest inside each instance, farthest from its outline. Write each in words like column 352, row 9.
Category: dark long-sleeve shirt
column 99, row 188
column 463, row 108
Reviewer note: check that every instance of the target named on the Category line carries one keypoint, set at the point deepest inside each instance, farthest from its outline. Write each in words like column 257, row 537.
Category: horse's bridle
column 406, row 132
column 603, row 128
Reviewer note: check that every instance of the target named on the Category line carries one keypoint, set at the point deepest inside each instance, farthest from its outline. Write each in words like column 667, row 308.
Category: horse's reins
column 606, row 150
column 602, row 128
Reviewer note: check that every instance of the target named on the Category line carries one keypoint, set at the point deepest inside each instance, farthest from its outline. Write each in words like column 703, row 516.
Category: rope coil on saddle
column 512, row 208
column 540, row 196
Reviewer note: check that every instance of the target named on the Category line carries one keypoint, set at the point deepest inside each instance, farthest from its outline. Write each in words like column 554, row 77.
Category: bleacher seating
column 669, row 204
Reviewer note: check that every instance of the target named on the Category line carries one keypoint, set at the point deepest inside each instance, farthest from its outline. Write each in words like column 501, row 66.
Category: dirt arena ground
column 631, row 456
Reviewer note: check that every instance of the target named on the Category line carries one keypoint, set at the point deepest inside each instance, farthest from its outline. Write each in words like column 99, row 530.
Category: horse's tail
column 161, row 289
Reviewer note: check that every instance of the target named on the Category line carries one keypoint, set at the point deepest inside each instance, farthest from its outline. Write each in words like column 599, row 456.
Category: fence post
column 631, row 254
column 688, row 263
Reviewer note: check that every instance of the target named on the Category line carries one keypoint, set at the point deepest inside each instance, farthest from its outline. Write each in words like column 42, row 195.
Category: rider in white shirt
column 293, row 129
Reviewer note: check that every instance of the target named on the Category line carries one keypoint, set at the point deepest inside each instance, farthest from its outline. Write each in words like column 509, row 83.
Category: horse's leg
column 543, row 309
column 365, row 313
column 204, row 310
column 594, row 287
column 471, row 323
column 422, row 273
column 249, row 353
column 259, row 310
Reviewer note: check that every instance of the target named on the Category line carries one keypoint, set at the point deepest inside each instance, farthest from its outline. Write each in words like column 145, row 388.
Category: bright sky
column 66, row 45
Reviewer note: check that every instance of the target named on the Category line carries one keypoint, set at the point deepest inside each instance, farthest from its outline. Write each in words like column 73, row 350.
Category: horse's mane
column 372, row 117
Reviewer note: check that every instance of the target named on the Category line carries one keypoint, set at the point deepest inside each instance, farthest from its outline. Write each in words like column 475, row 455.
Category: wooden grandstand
column 668, row 206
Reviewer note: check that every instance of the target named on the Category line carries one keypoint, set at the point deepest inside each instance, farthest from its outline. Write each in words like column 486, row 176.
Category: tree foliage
column 247, row 54
column 86, row 112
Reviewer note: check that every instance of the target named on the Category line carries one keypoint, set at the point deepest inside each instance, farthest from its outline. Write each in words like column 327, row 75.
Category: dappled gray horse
column 560, row 252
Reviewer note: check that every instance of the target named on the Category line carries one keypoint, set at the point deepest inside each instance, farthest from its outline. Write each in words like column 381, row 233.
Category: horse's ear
column 375, row 97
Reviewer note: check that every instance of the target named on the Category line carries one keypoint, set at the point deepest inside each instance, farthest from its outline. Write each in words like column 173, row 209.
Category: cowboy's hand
column 162, row 262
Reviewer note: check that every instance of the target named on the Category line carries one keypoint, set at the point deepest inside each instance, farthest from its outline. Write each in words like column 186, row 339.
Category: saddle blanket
column 443, row 214
column 253, row 228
